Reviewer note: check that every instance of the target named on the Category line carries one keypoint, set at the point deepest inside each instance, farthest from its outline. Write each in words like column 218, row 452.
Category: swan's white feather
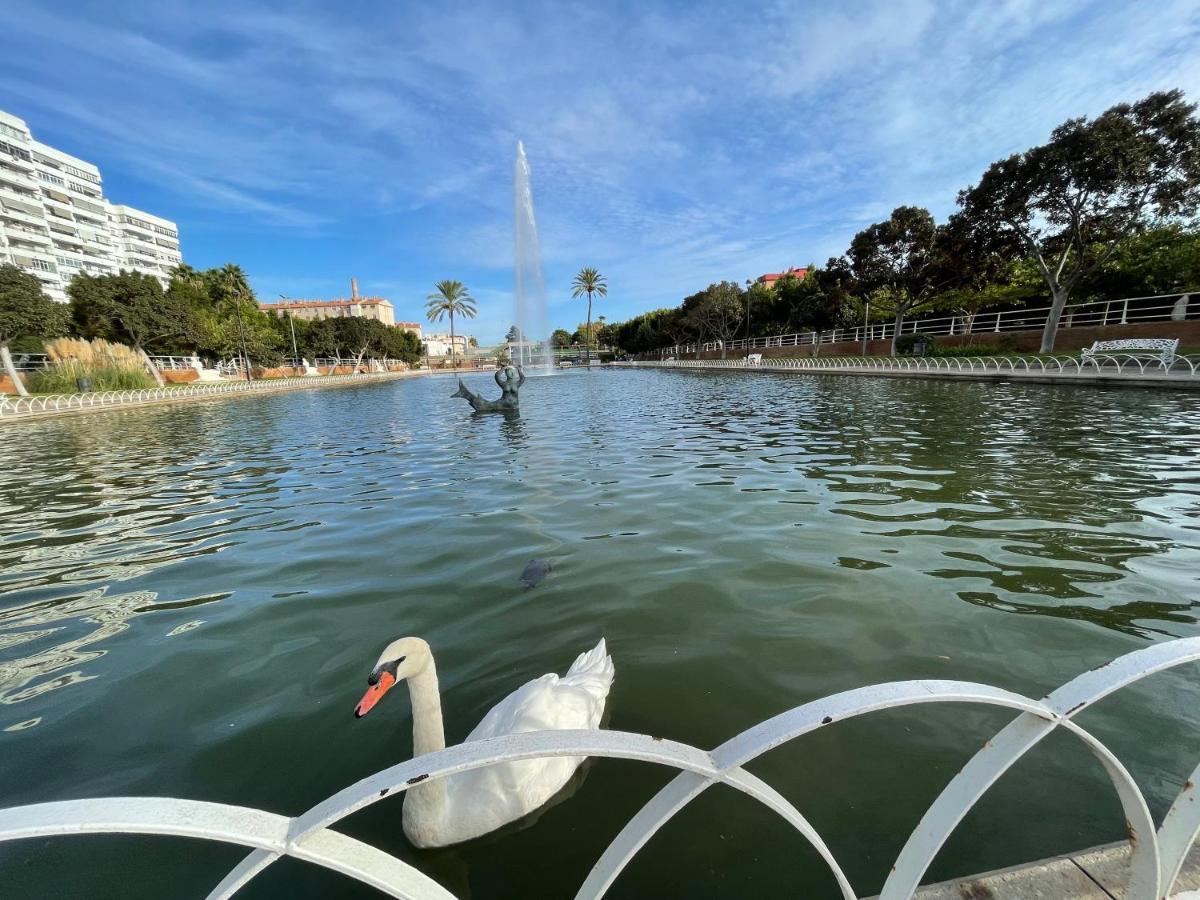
column 485, row 799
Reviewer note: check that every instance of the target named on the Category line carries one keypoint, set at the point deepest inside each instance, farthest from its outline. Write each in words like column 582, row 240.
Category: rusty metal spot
column 1078, row 705
column 384, row 792
column 1131, row 831
column 976, row 891
column 827, row 720
column 416, row 778
column 1187, row 785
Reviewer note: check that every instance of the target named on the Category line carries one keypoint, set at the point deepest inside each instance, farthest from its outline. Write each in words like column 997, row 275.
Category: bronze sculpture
column 508, row 379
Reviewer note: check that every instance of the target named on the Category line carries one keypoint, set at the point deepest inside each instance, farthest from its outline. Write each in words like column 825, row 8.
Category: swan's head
column 399, row 660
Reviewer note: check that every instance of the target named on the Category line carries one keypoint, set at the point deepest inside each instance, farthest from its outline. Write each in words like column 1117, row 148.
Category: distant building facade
column 438, row 344
column 412, row 328
column 771, row 278
column 55, row 221
column 367, row 307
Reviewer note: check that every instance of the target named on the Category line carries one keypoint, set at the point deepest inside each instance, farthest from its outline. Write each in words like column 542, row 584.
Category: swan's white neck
column 425, row 804
column 426, row 699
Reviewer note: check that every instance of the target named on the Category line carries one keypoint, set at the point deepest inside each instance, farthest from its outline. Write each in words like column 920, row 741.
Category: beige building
column 367, row 307
column 412, row 327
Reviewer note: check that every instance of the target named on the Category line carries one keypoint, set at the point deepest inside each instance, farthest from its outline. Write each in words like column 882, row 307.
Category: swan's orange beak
column 374, row 693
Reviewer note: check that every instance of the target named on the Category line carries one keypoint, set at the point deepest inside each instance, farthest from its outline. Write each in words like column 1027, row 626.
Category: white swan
column 460, row 807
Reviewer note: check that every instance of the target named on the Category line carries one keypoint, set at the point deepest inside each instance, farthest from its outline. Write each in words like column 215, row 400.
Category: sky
column 671, row 144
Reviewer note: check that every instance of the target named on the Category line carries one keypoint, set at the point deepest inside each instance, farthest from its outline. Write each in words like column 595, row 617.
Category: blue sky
column 672, row 144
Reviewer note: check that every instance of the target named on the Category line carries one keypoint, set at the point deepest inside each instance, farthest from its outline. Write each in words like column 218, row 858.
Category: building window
column 42, row 264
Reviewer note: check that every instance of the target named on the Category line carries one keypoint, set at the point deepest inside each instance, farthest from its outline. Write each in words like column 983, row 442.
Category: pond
column 191, row 598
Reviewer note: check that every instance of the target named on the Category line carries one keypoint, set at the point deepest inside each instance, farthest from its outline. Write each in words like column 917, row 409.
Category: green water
column 191, row 599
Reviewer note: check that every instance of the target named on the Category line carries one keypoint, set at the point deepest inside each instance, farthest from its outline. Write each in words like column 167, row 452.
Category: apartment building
column 438, row 344
column 56, row 222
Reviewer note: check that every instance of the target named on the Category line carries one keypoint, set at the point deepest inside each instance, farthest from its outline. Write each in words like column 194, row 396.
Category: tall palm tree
column 589, row 281
column 234, row 287
column 450, row 298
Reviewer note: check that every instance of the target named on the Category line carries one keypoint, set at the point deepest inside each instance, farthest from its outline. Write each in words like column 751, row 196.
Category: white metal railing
column 15, row 407
column 1128, row 310
column 1130, row 365
column 1156, row 859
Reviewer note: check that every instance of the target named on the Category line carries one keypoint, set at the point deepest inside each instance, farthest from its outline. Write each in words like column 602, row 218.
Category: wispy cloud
column 671, row 146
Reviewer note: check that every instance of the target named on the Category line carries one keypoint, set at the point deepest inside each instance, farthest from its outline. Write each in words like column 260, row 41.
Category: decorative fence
column 1129, row 310
column 1157, row 854
column 16, row 407
column 1185, row 367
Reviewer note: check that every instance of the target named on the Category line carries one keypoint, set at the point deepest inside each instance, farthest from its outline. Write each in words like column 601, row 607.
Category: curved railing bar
column 778, row 730
column 999, row 754
column 507, row 748
column 218, row 822
column 1179, row 831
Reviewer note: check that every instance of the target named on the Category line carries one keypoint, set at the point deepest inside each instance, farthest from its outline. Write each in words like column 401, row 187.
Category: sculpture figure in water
column 509, row 380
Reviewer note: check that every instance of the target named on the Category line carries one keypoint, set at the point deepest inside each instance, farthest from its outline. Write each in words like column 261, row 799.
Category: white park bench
column 1162, row 349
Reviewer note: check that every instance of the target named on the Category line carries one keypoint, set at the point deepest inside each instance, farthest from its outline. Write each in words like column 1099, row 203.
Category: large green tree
column 131, row 308
column 1069, row 203
column 588, row 281
column 450, row 298
column 896, row 264
column 561, row 338
column 25, row 311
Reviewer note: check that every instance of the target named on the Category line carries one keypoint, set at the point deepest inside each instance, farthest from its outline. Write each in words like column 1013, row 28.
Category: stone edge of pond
column 1100, row 873
column 1174, row 382
column 261, row 388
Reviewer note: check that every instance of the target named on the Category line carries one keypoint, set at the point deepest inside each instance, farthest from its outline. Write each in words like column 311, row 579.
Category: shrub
column 1006, row 346
column 111, row 367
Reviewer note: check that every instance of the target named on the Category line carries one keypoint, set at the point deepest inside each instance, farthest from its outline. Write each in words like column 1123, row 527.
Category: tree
column 132, row 308
column 722, row 311
column 1069, row 202
column 451, row 298
column 233, row 288
column 25, row 311
column 589, row 281
column 896, row 264
column 560, row 338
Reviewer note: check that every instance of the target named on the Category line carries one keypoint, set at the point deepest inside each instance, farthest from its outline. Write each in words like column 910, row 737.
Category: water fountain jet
column 533, row 348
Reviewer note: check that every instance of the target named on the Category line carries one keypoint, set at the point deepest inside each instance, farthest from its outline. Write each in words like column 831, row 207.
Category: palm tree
column 589, row 281
column 235, row 286
column 450, row 298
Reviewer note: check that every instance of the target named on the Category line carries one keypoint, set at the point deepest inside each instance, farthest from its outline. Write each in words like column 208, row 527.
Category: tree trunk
column 154, row 373
column 723, row 344
column 1057, row 302
column 587, row 338
column 896, row 326
column 11, row 370
column 453, row 363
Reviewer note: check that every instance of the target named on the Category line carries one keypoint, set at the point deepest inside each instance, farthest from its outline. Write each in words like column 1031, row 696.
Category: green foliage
column 53, row 381
column 560, row 338
column 25, row 311
column 1006, row 346
column 132, row 308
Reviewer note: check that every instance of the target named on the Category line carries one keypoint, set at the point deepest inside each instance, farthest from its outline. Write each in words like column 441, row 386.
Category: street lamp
column 295, row 352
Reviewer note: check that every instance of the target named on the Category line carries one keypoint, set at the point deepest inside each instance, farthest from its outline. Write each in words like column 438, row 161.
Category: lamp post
column 295, row 352
column 749, row 284
column 866, row 318
column 237, row 305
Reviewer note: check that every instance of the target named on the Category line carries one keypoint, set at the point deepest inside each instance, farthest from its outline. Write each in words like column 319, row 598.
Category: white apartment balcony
column 25, row 165
column 30, row 203
column 13, row 214
column 68, row 242
column 27, row 236
column 56, row 193
column 18, row 178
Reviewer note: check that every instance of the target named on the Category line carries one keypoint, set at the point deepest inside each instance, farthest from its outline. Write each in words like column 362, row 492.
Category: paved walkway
column 14, row 409
column 1097, row 874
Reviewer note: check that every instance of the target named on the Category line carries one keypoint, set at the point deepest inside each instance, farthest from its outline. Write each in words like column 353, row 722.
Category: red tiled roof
column 299, row 304
column 408, row 324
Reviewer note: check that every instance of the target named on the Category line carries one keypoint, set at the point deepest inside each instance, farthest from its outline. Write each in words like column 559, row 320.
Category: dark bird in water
column 535, row 571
